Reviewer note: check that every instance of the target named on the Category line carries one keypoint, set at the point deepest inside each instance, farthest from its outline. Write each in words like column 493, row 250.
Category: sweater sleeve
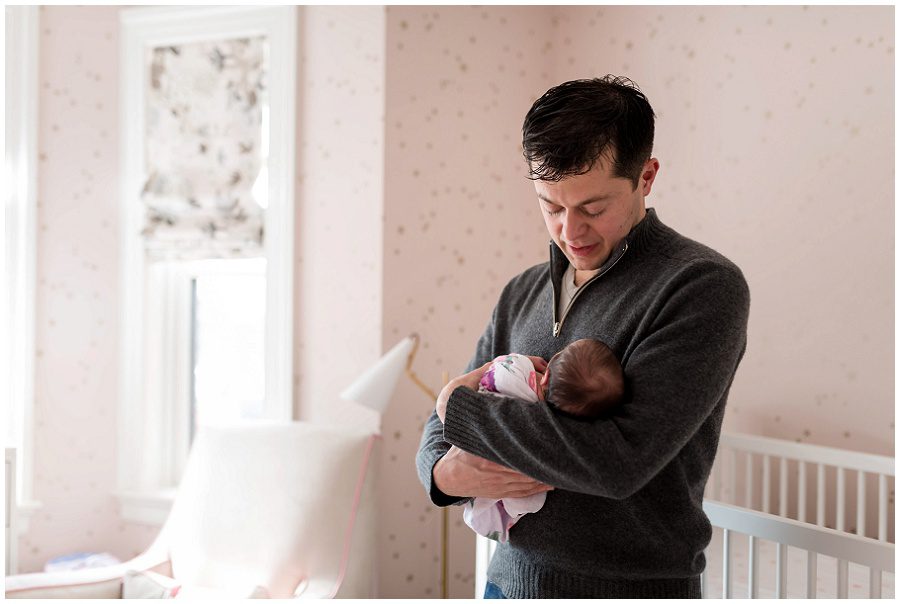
column 676, row 372
column 432, row 446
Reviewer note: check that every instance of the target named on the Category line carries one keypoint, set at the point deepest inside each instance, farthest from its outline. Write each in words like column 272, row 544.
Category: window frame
column 20, row 124
column 150, row 455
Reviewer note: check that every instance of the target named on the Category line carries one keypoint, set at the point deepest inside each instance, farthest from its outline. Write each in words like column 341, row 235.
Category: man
column 624, row 515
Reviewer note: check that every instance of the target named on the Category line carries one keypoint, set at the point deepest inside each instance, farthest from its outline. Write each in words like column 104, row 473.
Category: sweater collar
column 640, row 236
column 644, row 232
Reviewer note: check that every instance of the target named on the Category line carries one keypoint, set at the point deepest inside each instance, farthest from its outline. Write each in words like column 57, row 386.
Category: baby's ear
column 545, row 379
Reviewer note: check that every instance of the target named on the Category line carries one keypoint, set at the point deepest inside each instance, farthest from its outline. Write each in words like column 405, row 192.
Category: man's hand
column 461, row 474
column 469, row 380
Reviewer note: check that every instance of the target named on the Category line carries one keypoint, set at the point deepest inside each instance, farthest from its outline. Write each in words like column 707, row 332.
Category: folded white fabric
column 148, row 584
column 493, row 518
column 511, row 375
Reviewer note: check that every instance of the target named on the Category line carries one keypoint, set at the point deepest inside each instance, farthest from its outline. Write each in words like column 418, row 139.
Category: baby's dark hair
column 586, row 379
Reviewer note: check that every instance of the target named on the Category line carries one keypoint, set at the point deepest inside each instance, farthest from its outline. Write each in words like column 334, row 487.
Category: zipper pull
column 556, row 328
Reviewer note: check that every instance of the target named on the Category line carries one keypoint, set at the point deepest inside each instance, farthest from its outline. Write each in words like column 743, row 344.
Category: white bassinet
column 812, row 522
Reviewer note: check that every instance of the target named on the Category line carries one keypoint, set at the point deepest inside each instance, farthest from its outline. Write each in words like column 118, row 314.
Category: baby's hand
column 540, row 365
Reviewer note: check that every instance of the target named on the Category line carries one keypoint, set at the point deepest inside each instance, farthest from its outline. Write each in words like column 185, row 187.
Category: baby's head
column 584, row 378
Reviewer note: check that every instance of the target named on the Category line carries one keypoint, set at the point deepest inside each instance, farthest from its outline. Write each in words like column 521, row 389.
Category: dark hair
column 586, row 378
column 567, row 130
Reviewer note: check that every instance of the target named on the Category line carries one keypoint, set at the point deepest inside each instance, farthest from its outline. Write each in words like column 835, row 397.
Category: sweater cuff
column 441, row 499
column 425, row 462
column 465, row 409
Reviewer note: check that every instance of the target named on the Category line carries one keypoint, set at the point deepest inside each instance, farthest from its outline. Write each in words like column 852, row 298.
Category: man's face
column 589, row 214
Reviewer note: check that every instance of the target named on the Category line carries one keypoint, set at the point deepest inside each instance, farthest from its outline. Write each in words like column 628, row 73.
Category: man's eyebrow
column 580, row 203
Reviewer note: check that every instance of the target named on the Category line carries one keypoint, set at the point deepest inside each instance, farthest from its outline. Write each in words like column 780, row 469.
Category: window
column 207, row 197
column 229, row 319
column 205, row 353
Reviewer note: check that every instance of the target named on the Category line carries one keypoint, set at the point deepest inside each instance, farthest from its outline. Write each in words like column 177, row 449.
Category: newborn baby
column 584, row 379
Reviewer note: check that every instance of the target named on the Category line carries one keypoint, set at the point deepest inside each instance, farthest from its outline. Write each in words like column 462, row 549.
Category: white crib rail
column 852, row 460
column 878, row 556
column 793, row 462
column 846, row 548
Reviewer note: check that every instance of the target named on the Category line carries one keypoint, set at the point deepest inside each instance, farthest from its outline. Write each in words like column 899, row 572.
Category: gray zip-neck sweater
column 626, row 517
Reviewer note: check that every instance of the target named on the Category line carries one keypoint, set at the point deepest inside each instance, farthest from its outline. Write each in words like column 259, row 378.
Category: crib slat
column 732, row 477
column 842, row 579
column 820, row 495
column 781, row 571
column 801, row 493
column 861, row 503
column 782, row 487
column 748, row 480
column 841, row 499
column 874, row 584
column 811, row 573
column 753, row 569
column 726, row 564
column 841, row 512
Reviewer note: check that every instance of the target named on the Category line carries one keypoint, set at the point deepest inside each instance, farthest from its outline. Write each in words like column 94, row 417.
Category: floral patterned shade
column 205, row 150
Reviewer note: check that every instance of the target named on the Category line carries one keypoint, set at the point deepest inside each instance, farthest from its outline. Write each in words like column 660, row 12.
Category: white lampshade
column 374, row 388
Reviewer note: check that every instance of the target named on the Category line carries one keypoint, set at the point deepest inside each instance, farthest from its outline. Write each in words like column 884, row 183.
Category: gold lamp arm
column 445, row 517
column 411, row 373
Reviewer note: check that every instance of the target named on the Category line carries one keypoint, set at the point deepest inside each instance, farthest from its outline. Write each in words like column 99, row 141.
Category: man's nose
column 571, row 226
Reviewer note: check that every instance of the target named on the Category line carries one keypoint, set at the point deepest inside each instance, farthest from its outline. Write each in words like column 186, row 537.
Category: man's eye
column 552, row 212
column 593, row 214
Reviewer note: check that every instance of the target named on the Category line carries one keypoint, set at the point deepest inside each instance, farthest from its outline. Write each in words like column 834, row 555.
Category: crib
column 790, row 520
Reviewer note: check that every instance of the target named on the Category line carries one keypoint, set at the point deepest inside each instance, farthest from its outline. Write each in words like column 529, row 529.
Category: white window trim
column 140, row 490
column 20, row 201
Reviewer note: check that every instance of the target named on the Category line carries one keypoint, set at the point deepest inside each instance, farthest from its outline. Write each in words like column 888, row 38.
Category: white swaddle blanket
column 511, row 375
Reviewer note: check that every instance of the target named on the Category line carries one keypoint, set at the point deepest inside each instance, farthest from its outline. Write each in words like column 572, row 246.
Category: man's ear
column 648, row 175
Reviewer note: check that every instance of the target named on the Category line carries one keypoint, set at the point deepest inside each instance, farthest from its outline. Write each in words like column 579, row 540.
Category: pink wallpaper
column 77, row 299
column 773, row 135
column 339, row 207
column 460, row 220
column 773, row 138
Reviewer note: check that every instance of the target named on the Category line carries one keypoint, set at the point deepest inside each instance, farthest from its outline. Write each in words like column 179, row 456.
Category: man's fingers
column 526, row 493
column 531, row 486
column 517, row 491
column 516, row 485
column 508, row 473
column 491, row 479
